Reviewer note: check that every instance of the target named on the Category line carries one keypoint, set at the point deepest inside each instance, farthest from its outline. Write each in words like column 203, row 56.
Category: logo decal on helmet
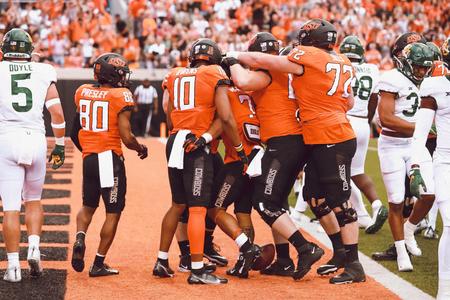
column 311, row 25
column 413, row 38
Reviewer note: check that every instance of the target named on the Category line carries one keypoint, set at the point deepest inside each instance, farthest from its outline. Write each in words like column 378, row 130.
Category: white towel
column 254, row 169
column 106, row 169
column 26, row 148
column 176, row 157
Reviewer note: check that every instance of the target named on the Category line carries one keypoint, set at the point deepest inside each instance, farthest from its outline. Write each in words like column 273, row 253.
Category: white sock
column 163, row 255
column 196, row 265
column 401, row 248
column 376, row 204
column 13, row 259
column 409, row 227
column 33, row 241
column 241, row 240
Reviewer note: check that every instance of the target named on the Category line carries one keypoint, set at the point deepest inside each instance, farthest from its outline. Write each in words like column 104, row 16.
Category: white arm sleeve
column 425, row 117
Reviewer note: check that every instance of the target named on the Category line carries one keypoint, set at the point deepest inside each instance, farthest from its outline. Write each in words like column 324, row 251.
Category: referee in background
column 146, row 98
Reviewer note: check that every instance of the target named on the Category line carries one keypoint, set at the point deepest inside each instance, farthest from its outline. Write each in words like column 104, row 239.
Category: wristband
column 208, row 137
column 239, row 147
column 234, row 54
column 52, row 102
column 59, row 126
column 59, row 141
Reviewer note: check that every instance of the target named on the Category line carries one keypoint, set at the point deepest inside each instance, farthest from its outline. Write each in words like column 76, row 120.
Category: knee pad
column 347, row 215
column 268, row 211
column 319, row 210
column 336, row 196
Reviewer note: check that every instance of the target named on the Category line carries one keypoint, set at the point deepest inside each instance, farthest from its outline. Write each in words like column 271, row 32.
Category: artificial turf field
column 134, row 250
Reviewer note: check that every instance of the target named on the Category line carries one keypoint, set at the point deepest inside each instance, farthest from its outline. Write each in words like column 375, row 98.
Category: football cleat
column 205, row 278
column 104, row 270
column 212, row 254
column 430, row 233
column 388, row 254
column 185, row 265
column 411, row 243
column 404, row 264
column 162, row 271
column 335, row 263
column 308, row 255
column 79, row 248
column 34, row 261
column 244, row 262
column 280, row 267
column 13, row 274
column 421, row 226
column 378, row 219
column 353, row 272
column 364, row 221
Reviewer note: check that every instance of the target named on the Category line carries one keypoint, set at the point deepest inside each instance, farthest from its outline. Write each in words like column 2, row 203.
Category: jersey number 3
column 337, row 76
column 94, row 115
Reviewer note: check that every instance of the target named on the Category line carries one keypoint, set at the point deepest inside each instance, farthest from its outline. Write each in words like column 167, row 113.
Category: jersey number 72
column 337, row 76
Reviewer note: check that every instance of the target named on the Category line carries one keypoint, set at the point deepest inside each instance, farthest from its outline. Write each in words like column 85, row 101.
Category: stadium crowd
column 157, row 34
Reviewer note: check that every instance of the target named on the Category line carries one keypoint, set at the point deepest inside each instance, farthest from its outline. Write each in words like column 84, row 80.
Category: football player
column 365, row 92
column 440, row 68
column 194, row 95
column 435, row 106
column 26, row 88
column 321, row 83
column 101, row 124
column 283, row 159
column 399, row 102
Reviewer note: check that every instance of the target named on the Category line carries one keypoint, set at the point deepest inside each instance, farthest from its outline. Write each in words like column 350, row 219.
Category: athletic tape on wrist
column 233, row 54
column 239, row 147
column 59, row 141
column 208, row 137
column 59, row 126
column 52, row 102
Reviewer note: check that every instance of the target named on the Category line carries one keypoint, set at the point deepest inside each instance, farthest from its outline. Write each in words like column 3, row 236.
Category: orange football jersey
column 191, row 95
column 99, row 108
column 439, row 69
column 276, row 107
column 322, row 92
column 247, row 123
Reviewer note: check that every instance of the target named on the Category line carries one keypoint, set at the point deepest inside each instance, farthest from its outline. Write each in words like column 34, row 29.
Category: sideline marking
column 394, row 283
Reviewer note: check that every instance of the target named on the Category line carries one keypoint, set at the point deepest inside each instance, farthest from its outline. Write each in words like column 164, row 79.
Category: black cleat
column 205, row 278
column 381, row 217
column 308, row 255
column 162, row 271
column 281, row 267
column 79, row 248
column 104, row 270
column 185, row 265
column 335, row 263
column 212, row 254
column 353, row 272
column 244, row 262
column 388, row 254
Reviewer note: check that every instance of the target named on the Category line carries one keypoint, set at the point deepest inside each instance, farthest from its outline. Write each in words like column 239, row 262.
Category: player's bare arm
column 167, row 108
column 267, row 62
column 350, row 102
column 248, row 80
column 372, row 106
column 424, row 121
column 58, row 123
column 388, row 118
column 226, row 115
column 127, row 137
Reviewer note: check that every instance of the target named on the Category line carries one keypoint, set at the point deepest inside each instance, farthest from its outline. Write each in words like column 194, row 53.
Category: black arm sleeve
column 76, row 127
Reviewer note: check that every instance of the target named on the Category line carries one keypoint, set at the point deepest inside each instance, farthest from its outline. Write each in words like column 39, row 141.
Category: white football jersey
column 23, row 92
column 364, row 84
column 407, row 99
column 439, row 88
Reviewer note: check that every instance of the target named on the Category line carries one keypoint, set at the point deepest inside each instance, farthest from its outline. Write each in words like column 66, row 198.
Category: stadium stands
column 157, row 34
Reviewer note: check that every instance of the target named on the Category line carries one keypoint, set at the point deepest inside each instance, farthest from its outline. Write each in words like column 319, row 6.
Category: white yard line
column 391, row 281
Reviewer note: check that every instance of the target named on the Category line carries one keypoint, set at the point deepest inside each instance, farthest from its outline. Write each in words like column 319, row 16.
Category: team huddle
column 279, row 112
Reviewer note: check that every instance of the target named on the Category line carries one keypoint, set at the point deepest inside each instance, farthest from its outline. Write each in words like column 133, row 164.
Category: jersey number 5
column 337, row 76
column 179, row 92
column 16, row 90
column 94, row 115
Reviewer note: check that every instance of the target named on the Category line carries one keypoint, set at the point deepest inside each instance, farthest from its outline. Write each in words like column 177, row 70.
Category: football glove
column 143, row 152
column 193, row 143
column 242, row 156
column 416, row 184
column 57, row 157
column 226, row 63
column 433, row 130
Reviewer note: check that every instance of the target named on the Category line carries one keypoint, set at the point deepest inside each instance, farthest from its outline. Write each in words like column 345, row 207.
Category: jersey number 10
column 94, row 115
column 179, row 93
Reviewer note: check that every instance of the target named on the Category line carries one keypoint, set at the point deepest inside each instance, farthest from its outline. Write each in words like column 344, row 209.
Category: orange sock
column 196, row 229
